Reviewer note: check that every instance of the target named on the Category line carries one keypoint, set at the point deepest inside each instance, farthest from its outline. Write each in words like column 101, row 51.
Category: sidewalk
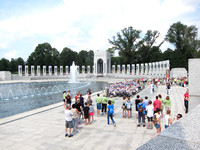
column 45, row 129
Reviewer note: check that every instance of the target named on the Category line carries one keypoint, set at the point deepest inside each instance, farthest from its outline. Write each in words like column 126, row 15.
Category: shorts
column 98, row 105
column 166, row 126
column 129, row 109
column 86, row 116
column 91, row 113
column 150, row 119
column 69, row 124
column 157, row 126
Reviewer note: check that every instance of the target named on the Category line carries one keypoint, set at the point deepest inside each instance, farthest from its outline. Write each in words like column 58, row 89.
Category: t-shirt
column 110, row 109
column 167, row 103
column 112, row 101
column 150, row 110
column 98, row 99
column 143, row 107
column 128, row 104
column 186, row 96
column 78, row 106
column 167, row 120
column 82, row 101
column 68, row 100
column 91, row 109
column 68, row 115
column 104, row 100
column 75, row 114
column 156, row 104
column 146, row 102
column 86, row 110
column 64, row 95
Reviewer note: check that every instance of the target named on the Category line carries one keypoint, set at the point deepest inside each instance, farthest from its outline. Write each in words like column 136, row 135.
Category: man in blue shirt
column 141, row 113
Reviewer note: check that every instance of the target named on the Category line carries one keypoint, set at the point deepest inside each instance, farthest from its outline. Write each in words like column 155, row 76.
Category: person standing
column 124, row 107
column 186, row 98
column 137, row 101
column 141, row 113
column 168, row 88
column 68, row 119
column 157, row 123
column 110, row 113
column 150, row 111
column 167, row 103
column 156, row 104
column 104, row 104
column 168, row 119
column 128, row 105
column 98, row 101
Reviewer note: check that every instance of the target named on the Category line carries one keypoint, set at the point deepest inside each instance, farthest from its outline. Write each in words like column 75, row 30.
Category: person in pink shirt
column 156, row 104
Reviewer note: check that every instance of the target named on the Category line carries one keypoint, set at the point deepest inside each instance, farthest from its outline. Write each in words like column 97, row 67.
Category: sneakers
column 143, row 125
column 115, row 125
column 77, row 130
column 66, row 135
column 70, row 135
column 138, row 125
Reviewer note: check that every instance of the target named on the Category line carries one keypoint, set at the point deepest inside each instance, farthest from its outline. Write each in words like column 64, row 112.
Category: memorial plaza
column 43, row 128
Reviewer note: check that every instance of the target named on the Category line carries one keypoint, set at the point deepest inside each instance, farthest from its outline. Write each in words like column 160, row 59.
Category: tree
column 67, row 56
column 127, row 43
column 147, row 48
column 4, row 65
column 185, row 40
column 44, row 55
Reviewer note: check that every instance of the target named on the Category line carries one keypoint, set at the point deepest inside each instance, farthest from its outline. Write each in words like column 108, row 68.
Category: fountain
column 73, row 73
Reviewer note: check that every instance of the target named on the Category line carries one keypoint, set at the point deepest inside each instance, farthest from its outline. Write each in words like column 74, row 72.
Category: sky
column 85, row 24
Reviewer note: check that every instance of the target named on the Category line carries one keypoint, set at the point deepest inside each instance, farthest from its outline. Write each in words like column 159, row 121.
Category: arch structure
column 102, row 62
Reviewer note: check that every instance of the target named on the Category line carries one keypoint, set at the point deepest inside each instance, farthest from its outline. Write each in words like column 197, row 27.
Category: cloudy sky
column 85, row 24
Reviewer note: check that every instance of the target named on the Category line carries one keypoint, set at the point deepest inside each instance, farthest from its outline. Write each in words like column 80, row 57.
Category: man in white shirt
column 69, row 121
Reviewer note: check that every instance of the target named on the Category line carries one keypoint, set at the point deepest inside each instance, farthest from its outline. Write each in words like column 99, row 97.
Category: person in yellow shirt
column 98, row 101
column 104, row 101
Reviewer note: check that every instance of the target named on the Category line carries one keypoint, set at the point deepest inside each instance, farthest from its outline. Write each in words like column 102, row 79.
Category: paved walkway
column 43, row 128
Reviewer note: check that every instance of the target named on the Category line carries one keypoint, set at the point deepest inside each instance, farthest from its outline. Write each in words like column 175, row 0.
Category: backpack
column 140, row 110
column 155, row 120
column 111, row 110
column 128, row 104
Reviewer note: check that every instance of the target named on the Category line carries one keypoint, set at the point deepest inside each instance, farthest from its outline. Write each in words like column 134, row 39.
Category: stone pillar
column 26, row 70
column 194, row 83
column 61, row 70
column 83, row 69
column 50, row 70
column 66, row 70
column 128, row 69
column 156, row 69
column 161, row 69
column 20, row 70
column 113, row 68
column 133, row 69
column 142, row 69
column 32, row 71
column 149, row 67
column 146, row 69
column 55, row 70
column 88, row 69
column 123, row 69
column 137, row 69
column 153, row 68
column 44, row 71
column 118, row 69
column 93, row 69
column 38, row 70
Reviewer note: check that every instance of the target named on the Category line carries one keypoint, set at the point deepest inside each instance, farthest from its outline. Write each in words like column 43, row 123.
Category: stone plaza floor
column 44, row 128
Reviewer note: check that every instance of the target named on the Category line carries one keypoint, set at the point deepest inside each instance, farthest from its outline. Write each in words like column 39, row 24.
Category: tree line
column 133, row 49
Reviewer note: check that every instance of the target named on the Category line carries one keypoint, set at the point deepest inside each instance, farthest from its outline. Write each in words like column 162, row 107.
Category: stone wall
column 194, row 83
column 5, row 75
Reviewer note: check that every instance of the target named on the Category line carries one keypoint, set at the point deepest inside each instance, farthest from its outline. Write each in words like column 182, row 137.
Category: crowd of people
column 152, row 111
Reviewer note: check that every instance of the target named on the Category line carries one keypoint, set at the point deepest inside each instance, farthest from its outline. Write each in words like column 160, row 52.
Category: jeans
column 186, row 106
column 111, row 117
column 141, row 116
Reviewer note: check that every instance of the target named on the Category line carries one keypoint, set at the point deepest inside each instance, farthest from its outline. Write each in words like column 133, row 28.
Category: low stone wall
column 5, row 75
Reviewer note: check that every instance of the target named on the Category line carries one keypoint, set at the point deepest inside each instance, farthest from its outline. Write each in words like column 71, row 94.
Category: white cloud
column 10, row 54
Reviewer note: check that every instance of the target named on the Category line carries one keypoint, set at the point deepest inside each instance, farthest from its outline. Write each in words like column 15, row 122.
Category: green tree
column 185, row 40
column 147, row 50
column 4, row 65
column 127, row 43
column 67, row 56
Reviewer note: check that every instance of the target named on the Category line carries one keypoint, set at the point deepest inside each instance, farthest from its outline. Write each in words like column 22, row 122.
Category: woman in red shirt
column 186, row 98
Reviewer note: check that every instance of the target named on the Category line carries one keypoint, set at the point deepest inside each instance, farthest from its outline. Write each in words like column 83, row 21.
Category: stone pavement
column 43, row 128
